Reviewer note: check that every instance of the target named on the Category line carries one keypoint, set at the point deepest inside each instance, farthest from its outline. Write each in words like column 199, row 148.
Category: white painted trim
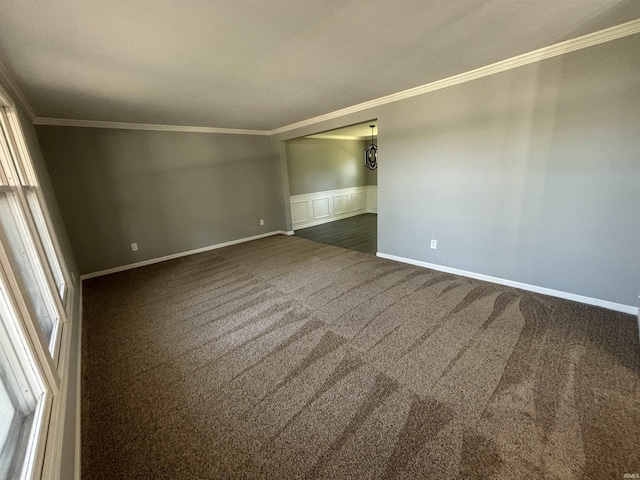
column 78, row 434
column 15, row 92
column 55, row 434
column 638, row 327
column 308, row 203
column 523, row 286
column 151, row 261
column 67, row 122
column 561, row 48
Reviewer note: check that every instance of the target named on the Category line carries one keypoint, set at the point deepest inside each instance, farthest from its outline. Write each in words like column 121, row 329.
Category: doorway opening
column 333, row 194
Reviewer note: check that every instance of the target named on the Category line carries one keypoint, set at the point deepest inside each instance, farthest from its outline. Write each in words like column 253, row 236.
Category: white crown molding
column 67, row 122
column 15, row 91
column 619, row 307
column 561, row 48
column 591, row 39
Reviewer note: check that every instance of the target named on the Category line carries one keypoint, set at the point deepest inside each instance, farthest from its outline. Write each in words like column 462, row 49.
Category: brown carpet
column 284, row 358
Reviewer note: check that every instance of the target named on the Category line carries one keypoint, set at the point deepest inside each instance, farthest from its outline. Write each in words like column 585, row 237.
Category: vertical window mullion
column 30, row 237
column 39, row 215
column 46, row 363
column 22, row 178
column 35, row 297
column 23, row 376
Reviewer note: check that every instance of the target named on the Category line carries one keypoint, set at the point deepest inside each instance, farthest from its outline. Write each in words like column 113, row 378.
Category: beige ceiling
column 263, row 64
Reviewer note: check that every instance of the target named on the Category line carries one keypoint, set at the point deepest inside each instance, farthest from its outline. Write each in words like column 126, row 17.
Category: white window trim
column 44, row 455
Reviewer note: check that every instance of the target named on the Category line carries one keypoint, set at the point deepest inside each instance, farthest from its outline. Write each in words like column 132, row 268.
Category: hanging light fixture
column 371, row 154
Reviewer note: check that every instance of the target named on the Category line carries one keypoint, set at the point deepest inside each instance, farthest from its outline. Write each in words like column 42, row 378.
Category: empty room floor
column 358, row 233
column 284, row 358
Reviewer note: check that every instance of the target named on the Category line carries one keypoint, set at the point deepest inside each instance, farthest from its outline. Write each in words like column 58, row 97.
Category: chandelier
column 371, row 154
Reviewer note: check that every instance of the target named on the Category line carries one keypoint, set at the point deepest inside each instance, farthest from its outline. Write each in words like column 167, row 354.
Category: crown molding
column 555, row 50
column 591, row 39
column 67, row 122
column 15, row 92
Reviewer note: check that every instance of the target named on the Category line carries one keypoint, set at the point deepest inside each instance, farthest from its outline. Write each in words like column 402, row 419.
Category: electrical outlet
column 261, row 221
column 134, row 247
column 73, row 277
column 434, row 243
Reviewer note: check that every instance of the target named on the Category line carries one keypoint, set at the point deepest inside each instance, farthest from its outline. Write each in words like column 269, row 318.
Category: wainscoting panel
column 358, row 201
column 321, row 207
column 299, row 212
column 340, row 204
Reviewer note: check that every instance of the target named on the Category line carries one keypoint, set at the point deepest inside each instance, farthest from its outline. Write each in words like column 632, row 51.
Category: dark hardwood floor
column 356, row 233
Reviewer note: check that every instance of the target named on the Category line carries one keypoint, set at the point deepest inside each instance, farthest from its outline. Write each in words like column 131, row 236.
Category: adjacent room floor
column 284, row 358
column 358, row 233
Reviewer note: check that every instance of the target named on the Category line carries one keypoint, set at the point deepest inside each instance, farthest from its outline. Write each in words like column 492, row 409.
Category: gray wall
column 68, row 445
column 372, row 175
column 530, row 175
column 169, row 192
column 319, row 164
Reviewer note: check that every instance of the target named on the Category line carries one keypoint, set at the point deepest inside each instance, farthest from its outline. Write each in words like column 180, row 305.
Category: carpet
column 284, row 358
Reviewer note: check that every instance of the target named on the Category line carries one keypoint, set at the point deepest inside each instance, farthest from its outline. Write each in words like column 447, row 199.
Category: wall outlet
column 73, row 277
column 134, row 247
column 261, row 221
column 434, row 243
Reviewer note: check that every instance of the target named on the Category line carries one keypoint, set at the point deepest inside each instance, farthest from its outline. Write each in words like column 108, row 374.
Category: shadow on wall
column 169, row 192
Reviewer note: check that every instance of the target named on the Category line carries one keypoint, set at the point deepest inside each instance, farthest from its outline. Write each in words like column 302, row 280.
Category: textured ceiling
column 265, row 64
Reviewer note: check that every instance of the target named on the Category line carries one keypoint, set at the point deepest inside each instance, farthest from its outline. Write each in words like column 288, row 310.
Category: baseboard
column 151, row 261
column 79, row 395
column 523, row 286
column 638, row 327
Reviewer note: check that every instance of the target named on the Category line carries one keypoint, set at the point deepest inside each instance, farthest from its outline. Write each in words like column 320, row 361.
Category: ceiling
column 264, row 64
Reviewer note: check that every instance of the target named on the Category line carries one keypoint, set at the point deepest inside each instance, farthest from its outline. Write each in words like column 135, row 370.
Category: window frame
column 25, row 171
column 44, row 454
column 32, row 369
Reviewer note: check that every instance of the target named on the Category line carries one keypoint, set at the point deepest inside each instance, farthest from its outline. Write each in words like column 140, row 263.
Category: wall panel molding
column 309, row 209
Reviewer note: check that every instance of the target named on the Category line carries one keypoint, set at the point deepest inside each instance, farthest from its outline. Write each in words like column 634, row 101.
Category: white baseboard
column 181, row 254
column 523, row 286
column 79, row 395
column 638, row 327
